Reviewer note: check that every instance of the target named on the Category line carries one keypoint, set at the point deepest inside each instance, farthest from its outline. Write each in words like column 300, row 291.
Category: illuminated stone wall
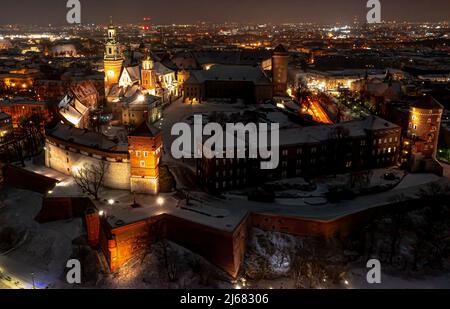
column 223, row 249
column 66, row 160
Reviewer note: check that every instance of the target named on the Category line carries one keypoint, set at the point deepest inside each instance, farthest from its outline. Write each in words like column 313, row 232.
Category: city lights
column 223, row 145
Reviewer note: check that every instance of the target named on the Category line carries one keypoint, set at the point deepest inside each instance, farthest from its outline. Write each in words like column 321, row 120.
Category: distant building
column 5, row 44
column 228, row 82
column 348, row 147
column 20, row 108
column 5, row 125
column 19, row 80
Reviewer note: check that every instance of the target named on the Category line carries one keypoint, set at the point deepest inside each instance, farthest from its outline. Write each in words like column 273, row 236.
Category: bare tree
column 90, row 178
column 360, row 179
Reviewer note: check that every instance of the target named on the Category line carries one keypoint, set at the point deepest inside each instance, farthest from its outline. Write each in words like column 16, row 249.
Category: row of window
column 386, row 140
column 231, row 172
column 385, row 150
column 314, row 150
column 226, row 184
column 145, row 153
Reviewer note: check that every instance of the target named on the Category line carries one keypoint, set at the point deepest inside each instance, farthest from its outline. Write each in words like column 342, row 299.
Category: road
column 317, row 112
column 12, row 275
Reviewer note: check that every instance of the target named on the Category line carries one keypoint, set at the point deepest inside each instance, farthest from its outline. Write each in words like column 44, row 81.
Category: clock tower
column 113, row 59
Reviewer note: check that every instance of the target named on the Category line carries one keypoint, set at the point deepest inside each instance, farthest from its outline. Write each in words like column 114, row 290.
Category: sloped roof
column 4, row 116
column 427, row 102
column 231, row 73
column 161, row 68
column 134, row 73
column 83, row 89
column 146, row 129
column 280, row 49
column 83, row 137
column 321, row 133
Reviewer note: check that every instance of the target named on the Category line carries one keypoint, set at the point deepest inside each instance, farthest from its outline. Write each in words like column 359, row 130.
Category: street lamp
column 160, row 201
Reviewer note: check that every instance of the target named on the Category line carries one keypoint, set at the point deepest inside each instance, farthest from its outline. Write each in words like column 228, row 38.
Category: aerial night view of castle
column 146, row 152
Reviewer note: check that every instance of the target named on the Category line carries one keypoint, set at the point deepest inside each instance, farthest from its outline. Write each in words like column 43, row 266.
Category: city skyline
column 250, row 11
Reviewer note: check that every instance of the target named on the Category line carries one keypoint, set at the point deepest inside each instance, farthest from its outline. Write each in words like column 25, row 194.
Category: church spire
column 113, row 59
column 112, row 44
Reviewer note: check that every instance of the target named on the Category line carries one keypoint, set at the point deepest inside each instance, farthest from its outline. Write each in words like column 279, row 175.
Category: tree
column 90, row 178
column 360, row 179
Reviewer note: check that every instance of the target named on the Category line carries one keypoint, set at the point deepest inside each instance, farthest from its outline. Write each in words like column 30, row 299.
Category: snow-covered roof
column 84, row 137
column 4, row 116
column 321, row 133
column 161, row 69
column 240, row 73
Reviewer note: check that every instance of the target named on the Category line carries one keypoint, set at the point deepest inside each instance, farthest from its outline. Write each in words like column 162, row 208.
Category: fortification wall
column 67, row 159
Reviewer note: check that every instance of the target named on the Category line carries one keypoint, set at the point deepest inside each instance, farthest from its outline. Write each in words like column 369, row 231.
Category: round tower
column 280, row 58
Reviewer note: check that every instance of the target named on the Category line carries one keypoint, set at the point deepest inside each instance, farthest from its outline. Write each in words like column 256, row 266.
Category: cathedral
column 130, row 91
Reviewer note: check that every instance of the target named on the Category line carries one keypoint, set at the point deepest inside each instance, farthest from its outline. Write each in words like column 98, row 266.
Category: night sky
column 187, row 11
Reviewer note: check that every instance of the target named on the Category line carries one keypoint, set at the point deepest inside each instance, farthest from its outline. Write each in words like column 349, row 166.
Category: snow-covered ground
column 46, row 248
column 269, row 264
column 188, row 270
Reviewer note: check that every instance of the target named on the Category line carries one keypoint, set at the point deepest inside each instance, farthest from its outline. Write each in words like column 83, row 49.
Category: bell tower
column 148, row 74
column 113, row 59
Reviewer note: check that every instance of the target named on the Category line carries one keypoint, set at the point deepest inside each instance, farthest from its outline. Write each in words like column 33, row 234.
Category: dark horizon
column 44, row 12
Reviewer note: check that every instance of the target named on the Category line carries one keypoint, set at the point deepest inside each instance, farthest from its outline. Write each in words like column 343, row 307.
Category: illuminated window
column 138, row 153
column 145, row 154
column 142, row 163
